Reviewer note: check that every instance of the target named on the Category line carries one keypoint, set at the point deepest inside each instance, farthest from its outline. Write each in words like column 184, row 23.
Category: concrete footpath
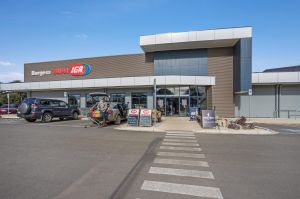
column 184, row 124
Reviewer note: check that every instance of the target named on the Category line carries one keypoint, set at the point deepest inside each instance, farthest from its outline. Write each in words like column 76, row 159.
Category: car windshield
column 29, row 100
column 10, row 106
column 97, row 98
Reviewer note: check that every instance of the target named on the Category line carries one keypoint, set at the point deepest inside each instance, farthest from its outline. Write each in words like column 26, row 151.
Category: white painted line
column 178, row 148
column 292, row 130
column 178, row 140
column 180, row 144
column 185, row 155
column 181, row 162
column 192, row 190
column 187, row 135
column 182, row 172
column 180, row 137
column 180, row 132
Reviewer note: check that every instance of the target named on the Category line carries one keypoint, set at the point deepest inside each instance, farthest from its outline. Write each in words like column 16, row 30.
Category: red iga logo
column 75, row 70
column 79, row 69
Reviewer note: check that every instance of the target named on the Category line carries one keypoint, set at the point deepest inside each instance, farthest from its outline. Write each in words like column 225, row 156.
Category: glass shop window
column 117, row 97
column 139, row 100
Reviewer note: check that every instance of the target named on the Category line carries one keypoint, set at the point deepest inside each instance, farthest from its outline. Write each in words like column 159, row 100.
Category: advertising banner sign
column 208, row 119
column 193, row 112
column 133, row 117
column 145, row 117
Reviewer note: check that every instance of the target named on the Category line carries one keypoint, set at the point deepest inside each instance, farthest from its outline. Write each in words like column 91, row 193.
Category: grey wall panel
column 243, row 65
column 182, row 62
column 289, row 99
column 262, row 103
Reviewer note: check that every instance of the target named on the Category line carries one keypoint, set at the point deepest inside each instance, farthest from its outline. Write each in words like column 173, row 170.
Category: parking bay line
column 192, row 190
column 185, row 155
column 178, row 140
column 181, row 172
column 187, row 135
column 180, row 132
column 181, row 162
column 178, row 148
column 179, row 137
column 180, row 144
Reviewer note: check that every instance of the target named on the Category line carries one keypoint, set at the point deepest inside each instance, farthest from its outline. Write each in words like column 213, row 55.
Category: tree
column 16, row 81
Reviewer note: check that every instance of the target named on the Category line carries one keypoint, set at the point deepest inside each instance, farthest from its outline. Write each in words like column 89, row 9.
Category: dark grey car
column 32, row 109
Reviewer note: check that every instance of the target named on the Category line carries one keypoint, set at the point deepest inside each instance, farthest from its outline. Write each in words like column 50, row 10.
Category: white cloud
column 82, row 36
column 11, row 76
column 6, row 63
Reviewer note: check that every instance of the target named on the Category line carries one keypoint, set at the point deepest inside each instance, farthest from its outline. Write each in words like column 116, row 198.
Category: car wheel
column 61, row 118
column 47, row 117
column 30, row 120
column 118, row 120
column 75, row 116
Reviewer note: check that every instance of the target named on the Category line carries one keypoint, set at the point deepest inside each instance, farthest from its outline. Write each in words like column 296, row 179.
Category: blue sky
column 35, row 30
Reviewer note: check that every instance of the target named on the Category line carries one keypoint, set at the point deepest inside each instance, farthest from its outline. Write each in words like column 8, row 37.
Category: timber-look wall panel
column 220, row 65
column 102, row 67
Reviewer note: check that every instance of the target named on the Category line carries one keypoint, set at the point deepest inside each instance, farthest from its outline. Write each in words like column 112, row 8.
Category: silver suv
column 116, row 111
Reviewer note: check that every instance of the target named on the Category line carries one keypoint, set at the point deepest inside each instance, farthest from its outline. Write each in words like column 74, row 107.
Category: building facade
column 210, row 69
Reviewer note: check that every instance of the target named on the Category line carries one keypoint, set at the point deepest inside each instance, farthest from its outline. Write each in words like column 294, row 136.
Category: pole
column 154, row 96
column 8, row 103
column 249, row 106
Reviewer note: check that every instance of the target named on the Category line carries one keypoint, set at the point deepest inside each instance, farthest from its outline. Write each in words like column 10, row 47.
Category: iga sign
column 74, row 70
column 133, row 117
column 145, row 117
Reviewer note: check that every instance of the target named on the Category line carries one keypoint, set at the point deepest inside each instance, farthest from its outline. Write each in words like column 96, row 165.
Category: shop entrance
column 176, row 101
column 172, row 108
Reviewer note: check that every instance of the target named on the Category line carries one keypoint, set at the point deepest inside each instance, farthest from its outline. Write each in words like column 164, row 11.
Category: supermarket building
column 210, row 69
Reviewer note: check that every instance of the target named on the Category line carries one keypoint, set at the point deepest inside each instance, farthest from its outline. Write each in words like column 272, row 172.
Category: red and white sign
column 145, row 112
column 133, row 112
column 77, row 69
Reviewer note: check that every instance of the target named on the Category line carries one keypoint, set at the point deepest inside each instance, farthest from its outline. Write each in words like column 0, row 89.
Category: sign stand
column 145, row 117
column 208, row 119
column 133, row 117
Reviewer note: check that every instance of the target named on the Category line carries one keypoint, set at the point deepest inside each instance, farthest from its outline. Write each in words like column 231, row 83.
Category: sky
column 36, row 31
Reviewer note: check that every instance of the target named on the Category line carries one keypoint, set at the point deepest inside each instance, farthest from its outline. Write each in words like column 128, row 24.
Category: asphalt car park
column 282, row 128
column 63, row 159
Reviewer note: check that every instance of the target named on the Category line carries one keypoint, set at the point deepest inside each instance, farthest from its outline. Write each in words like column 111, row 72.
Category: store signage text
column 74, row 70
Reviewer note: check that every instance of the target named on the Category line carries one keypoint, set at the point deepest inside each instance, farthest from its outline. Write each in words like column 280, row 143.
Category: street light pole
column 7, row 103
column 154, row 96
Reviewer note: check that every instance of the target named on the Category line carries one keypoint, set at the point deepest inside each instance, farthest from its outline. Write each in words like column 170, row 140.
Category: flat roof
column 283, row 69
column 212, row 38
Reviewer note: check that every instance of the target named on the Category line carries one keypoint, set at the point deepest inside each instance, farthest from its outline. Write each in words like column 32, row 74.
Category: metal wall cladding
column 243, row 65
column 181, row 62
column 102, row 67
column 289, row 100
column 262, row 103
column 220, row 65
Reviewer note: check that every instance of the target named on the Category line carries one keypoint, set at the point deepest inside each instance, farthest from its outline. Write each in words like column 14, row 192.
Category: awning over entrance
column 213, row 38
column 110, row 82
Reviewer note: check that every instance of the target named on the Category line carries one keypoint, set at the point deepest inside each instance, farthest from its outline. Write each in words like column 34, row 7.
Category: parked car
column 32, row 109
column 12, row 108
column 116, row 111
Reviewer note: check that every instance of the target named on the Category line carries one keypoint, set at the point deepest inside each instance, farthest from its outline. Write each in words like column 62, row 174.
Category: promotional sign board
column 133, row 117
column 193, row 112
column 145, row 117
column 208, row 119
